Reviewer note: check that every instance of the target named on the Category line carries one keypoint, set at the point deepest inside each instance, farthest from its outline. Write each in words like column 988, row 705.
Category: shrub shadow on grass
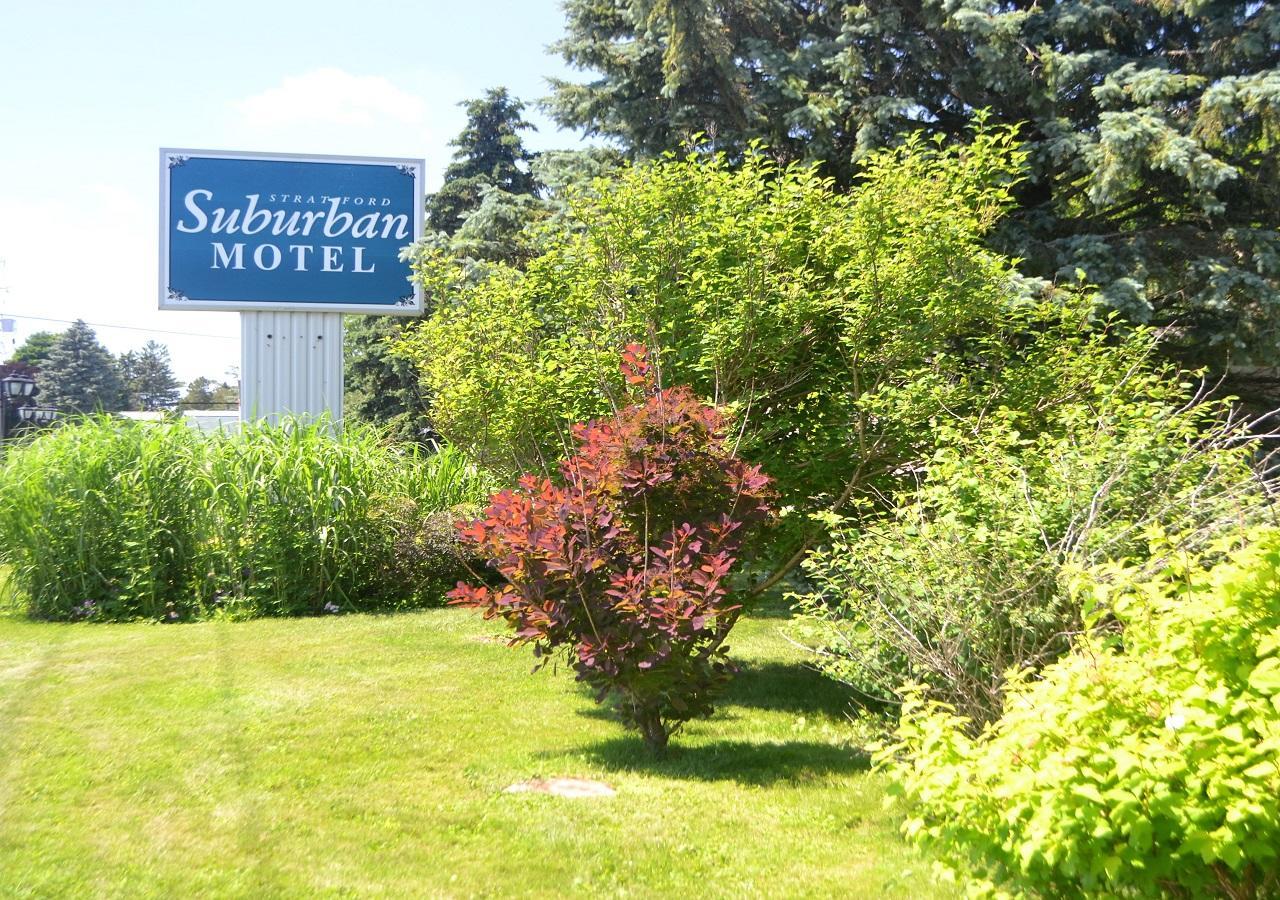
column 770, row 607
column 786, row 687
column 747, row 762
column 790, row 687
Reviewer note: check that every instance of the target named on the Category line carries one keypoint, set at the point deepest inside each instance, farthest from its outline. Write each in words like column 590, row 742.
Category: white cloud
column 331, row 96
column 333, row 111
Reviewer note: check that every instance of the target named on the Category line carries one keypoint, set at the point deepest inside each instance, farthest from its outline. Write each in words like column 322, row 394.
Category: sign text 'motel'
column 246, row 231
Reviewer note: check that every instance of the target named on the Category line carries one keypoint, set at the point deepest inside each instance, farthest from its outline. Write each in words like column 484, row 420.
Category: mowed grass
column 367, row 756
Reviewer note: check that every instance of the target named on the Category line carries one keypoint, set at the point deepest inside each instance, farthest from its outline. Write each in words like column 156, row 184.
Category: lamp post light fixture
column 17, row 386
column 38, row 415
column 12, row 389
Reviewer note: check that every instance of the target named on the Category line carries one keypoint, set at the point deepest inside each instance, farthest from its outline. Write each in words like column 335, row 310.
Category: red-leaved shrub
column 624, row 564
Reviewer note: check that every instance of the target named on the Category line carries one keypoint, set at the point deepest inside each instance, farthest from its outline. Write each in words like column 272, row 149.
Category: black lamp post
column 12, row 389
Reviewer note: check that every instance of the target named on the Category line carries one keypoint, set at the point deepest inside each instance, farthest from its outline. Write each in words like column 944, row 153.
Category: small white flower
column 1174, row 721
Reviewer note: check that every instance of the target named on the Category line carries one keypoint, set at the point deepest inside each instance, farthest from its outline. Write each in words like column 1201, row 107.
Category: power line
column 225, row 337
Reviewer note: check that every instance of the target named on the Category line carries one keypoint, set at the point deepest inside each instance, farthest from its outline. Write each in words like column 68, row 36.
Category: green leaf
column 1265, row 677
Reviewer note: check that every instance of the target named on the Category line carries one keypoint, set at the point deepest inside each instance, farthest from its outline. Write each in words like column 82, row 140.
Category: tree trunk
column 653, row 730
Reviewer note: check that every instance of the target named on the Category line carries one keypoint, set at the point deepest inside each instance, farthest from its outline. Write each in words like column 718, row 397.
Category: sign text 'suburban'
column 251, row 219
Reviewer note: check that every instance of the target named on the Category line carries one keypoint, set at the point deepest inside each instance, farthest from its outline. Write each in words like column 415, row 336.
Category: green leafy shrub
column 968, row 576
column 428, row 551
column 625, row 564
column 113, row 520
column 834, row 327
column 1145, row 763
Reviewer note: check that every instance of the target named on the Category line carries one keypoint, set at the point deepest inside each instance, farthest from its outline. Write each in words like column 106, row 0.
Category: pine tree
column 489, row 155
column 382, row 387
column 716, row 75
column 1153, row 127
column 148, row 378
column 488, row 197
column 127, row 365
column 80, row 375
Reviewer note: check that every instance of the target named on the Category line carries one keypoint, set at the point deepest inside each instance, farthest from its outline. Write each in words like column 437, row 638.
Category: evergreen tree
column 148, row 378
column 1153, row 127
column 488, row 197
column 34, row 351
column 126, row 366
column 381, row 387
column 489, row 155
column 672, row 71
column 80, row 375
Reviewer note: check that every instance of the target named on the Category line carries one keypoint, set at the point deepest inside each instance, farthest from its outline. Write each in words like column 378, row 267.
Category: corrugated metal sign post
column 291, row 365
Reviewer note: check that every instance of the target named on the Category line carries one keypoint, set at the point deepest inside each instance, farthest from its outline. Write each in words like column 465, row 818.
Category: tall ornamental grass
column 114, row 520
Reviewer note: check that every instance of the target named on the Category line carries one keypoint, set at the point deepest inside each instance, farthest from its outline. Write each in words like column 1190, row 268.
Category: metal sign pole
column 290, row 365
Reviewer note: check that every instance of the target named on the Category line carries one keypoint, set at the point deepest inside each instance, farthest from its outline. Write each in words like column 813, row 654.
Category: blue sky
column 90, row 91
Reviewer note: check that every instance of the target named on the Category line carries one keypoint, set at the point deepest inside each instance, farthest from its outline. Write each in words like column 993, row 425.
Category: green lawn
column 366, row 755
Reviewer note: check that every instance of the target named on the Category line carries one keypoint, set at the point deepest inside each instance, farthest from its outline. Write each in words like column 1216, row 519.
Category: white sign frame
column 168, row 302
